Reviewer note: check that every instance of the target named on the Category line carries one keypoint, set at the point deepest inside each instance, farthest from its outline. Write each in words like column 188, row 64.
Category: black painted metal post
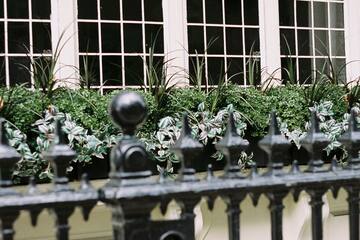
column 62, row 215
column 8, row 158
column 276, row 146
column 316, row 204
column 233, row 212
column 60, row 155
column 129, row 168
column 276, row 212
column 351, row 140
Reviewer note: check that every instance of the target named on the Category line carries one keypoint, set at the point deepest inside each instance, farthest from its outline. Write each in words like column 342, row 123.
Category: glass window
column 28, row 37
column 118, row 40
column 224, row 36
column 312, row 37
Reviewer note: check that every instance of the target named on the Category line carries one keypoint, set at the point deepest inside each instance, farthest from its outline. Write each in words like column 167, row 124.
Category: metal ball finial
column 128, row 110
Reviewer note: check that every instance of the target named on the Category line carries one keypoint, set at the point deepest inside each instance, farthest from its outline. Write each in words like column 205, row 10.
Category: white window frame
column 352, row 39
column 64, row 29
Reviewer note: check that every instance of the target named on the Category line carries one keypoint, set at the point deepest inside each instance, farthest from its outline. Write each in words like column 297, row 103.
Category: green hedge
column 90, row 109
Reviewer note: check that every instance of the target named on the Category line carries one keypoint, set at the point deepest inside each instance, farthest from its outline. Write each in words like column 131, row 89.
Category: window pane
column 251, row 12
column 320, row 14
column 304, row 42
column 338, row 43
column 18, row 37
column 339, row 64
column 2, row 38
column 153, row 10
column 88, row 37
column 132, row 9
column 216, row 70
column 288, row 70
column 234, row 41
column 18, row 70
column 87, row 9
column 112, row 71
column 287, row 41
column 41, row 37
column 235, row 70
column 197, row 70
column 194, row 11
column 322, row 65
column 253, row 71
column 89, row 70
column 2, row 72
column 110, row 9
column 157, row 66
column 337, row 15
column 213, row 11
column 1, row 8
column 215, row 40
column 18, row 9
column 286, row 9
column 303, row 14
column 252, row 44
column 41, row 9
column 196, row 39
column 134, row 71
column 321, row 43
column 110, row 37
column 233, row 12
column 154, row 38
column 305, row 70
column 133, row 38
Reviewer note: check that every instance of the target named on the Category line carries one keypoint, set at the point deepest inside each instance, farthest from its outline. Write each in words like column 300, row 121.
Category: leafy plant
column 328, row 125
column 206, row 127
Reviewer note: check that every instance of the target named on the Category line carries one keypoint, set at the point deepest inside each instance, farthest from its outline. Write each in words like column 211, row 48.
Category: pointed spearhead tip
column 274, row 125
column 186, row 125
column 352, row 121
column 3, row 137
column 59, row 133
column 314, row 123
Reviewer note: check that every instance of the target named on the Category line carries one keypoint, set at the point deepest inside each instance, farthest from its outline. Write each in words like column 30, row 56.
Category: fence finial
column 128, row 110
column 188, row 151
column 351, row 140
column 60, row 155
column 315, row 142
column 232, row 145
column 276, row 146
column 129, row 160
column 8, row 157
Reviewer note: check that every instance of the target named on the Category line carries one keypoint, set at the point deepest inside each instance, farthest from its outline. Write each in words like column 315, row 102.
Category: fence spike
column 188, row 151
column 315, row 142
column 295, row 167
column 351, row 140
column 60, row 155
column 254, row 171
column 210, row 174
column 276, row 146
column 8, row 158
column 232, row 145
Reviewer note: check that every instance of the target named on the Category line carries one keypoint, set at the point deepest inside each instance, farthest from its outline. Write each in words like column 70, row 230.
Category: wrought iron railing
column 132, row 193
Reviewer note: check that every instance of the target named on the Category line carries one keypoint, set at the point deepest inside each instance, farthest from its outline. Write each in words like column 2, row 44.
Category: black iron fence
column 132, row 193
